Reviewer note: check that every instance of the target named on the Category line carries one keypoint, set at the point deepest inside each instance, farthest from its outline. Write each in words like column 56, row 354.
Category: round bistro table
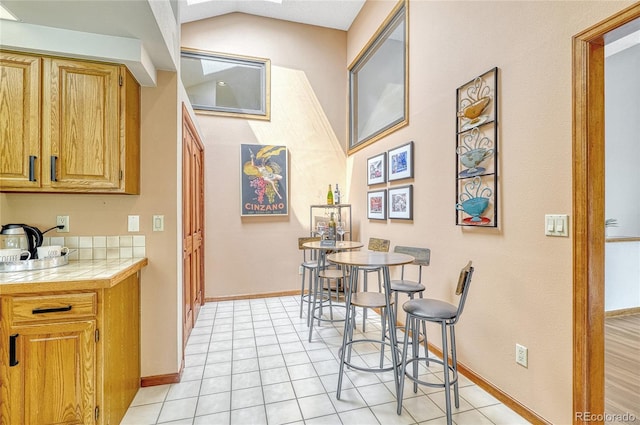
column 317, row 299
column 375, row 259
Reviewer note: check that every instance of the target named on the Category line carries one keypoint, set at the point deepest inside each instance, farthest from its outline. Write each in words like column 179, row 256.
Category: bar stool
column 366, row 300
column 447, row 315
column 309, row 264
column 318, row 298
column 411, row 287
column 379, row 245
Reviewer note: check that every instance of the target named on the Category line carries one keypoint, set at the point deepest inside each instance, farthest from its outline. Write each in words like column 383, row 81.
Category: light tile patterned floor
column 250, row 362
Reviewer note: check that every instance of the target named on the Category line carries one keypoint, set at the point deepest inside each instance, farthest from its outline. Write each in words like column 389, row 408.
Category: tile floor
column 250, row 362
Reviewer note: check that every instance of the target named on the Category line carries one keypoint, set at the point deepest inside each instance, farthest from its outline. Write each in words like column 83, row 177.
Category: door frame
column 589, row 216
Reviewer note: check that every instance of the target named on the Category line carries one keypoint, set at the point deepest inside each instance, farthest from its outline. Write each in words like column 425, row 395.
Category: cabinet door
column 81, row 137
column 54, row 380
column 19, row 121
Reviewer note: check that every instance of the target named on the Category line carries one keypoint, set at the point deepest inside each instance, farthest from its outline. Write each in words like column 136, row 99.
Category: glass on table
column 340, row 229
column 321, row 228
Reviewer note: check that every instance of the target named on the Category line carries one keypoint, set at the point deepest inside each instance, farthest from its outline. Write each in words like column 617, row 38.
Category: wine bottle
column 336, row 195
column 330, row 196
column 332, row 228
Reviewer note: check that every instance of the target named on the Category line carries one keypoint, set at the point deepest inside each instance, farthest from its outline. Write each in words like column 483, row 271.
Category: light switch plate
column 556, row 225
column 158, row 223
column 133, row 223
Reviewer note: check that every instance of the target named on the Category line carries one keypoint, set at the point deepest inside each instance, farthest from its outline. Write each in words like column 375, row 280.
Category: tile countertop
column 77, row 275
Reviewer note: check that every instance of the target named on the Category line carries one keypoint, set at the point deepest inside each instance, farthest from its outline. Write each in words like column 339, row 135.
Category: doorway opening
column 589, row 216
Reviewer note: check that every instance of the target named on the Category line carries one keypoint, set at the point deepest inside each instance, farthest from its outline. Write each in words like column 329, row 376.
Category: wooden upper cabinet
column 89, row 129
column 80, row 122
column 19, row 120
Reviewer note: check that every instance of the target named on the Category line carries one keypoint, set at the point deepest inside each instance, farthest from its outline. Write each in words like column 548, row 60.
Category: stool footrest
column 369, row 369
column 315, row 316
column 407, row 373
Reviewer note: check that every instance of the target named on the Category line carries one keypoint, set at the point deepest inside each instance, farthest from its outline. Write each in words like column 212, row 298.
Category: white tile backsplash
column 100, row 242
column 57, row 240
column 113, row 241
column 100, row 247
column 71, row 242
column 85, row 242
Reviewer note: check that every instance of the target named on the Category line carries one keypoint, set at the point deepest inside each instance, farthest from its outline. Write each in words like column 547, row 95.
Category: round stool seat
column 333, row 274
column 369, row 300
column 406, row 286
column 310, row 264
column 429, row 309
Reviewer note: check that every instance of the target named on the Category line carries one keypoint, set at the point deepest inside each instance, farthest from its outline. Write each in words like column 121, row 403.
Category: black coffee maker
column 21, row 236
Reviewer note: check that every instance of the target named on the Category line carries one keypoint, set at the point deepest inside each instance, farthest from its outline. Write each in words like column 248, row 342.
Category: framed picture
column 378, row 82
column 401, row 162
column 377, row 169
column 401, row 202
column 377, row 204
column 264, row 180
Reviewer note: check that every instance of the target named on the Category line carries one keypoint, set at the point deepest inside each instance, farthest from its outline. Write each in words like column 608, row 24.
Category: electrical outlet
column 63, row 220
column 522, row 355
column 300, row 270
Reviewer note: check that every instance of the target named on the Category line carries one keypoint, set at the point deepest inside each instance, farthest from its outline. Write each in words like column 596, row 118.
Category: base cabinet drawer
column 53, row 307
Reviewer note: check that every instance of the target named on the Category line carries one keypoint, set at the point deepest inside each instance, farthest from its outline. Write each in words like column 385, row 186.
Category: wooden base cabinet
column 54, row 378
column 71, row 126
column 70, row 358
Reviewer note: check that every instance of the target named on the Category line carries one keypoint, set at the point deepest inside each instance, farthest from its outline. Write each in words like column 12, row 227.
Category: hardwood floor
column 622, row 369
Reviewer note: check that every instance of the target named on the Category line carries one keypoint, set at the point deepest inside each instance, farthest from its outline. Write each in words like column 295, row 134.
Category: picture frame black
column 400, row 202
column 377, row 169
column 400, row 162
column 377, row 204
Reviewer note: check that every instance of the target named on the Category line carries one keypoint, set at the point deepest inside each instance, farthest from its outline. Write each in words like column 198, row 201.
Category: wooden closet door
column 198, row 222
column 193, row 224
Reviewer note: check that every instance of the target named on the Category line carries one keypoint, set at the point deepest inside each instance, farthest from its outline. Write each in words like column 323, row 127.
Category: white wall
column 622, row 133
column 622, row 199
column 622, row 275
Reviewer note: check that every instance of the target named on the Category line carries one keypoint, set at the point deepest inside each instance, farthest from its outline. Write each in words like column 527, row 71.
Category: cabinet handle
column 50, row 310
column 32, row 168
column 54, row 159
column 12, row 350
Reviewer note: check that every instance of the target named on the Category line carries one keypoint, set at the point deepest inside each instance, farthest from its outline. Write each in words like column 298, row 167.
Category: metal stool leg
column 454, row 362
column 304, row 274
column 403, row 368
column 313, row 307
column 383, row 318
column 415, row 349
column 364, row 310
column 347, row 327
column 312, row 274
column 445, row 366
